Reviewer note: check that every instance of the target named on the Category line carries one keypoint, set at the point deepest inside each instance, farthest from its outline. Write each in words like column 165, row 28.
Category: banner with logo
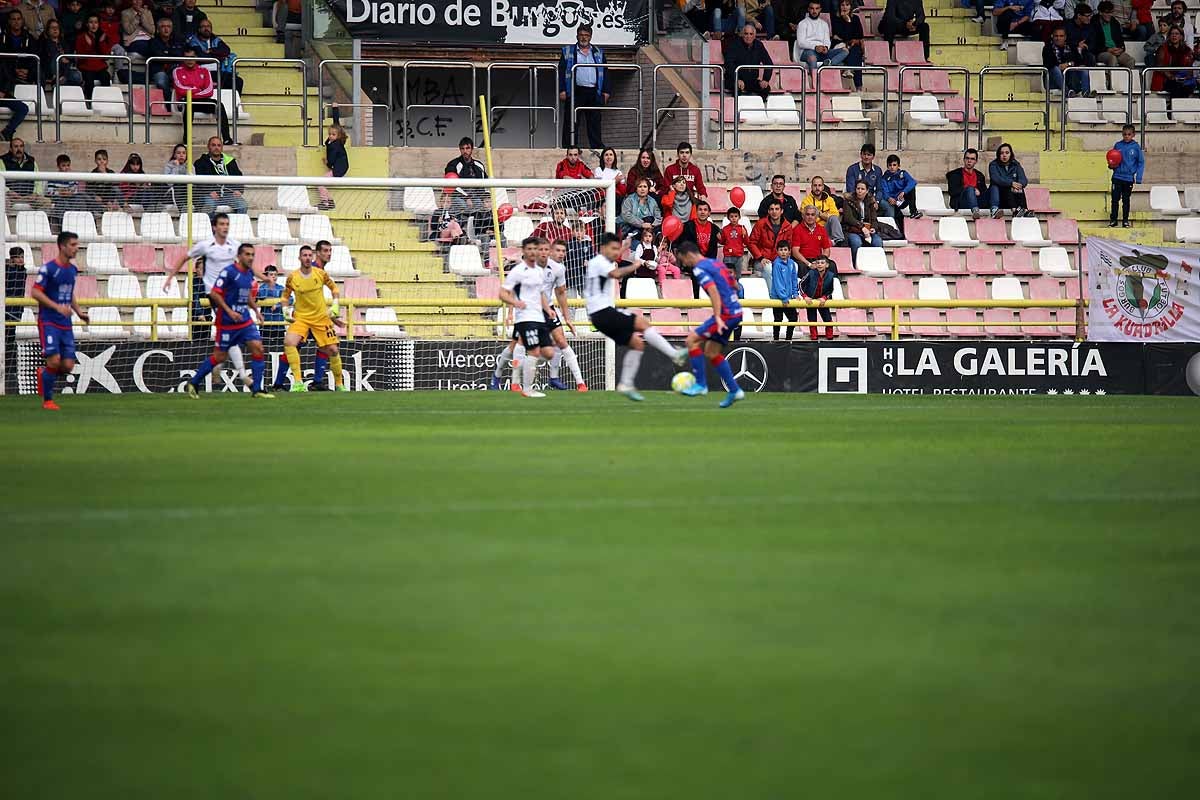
column 1142, row 294
column 465, row 364
column 615, row 23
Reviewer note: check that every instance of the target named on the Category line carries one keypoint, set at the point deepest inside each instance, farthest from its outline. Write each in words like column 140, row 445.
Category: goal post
column 417, row 268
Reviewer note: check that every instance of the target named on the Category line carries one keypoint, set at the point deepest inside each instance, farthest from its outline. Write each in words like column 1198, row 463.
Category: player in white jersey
column 217, row 252
column 523, row 290
column 601, row 279
column 551, row 257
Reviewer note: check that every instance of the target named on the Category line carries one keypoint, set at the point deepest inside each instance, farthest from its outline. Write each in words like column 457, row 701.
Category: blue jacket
column 900, row 183
column 783, row 279
column 873, row 177
column 569, row 55
column 810, row 287
column 1133, row 162
column 1003, row 175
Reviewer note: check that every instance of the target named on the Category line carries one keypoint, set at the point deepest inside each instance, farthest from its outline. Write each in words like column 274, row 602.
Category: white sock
column 503, row 359
column 518, row 355
column 528, row 370
column 555, row 363
column 656, row 340
column 568, row 355
column 239, row 363
column 629, row 368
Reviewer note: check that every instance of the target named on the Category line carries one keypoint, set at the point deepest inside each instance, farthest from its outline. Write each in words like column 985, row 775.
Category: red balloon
column 450, row 176
column 672, row 227
column 504, row 211
column 1114, row 158
column 737, row 196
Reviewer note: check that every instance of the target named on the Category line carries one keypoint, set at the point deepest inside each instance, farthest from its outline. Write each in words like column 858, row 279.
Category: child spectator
column 337, row 164
column 135, row 194
column 679, row 200
column 92, row 41
column 900, row 190
column 105, row 195
column 1157, row 40
column 110, row 22
column 175, row 195
column 657, row 260
column 1127, row 173
column 64, row 195
column 733, row 241
column 817, row 285
column 785, row 282
column 72, row 19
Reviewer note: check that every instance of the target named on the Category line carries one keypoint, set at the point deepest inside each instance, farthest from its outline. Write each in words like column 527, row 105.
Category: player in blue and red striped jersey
column 716, row 280
column 233, row 299
column 54, row 291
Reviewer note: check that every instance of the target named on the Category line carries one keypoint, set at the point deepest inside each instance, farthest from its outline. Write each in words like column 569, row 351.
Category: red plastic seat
column 49, row 252
column 955, row 106
column 1037, row 322
column 991, row 231
column 778, row 51
column 715, row 54
column 937, row 82
column 86, row 286
column 970, row 289
column 861, row 287
column 926, row 322
column 668, row 315
column 1038, row 199
column 1018, row 261
column 831, row 82
column 963, row 315
column 910, row 52
column 946, row 261
column 172, row 253
column 1045, row 289
column 1062, row 231
column 264, row 255
column 677, row 289
column 718, row 199
column 1072, row 287
column 898, row 289
column 877, row 53
column 909, row 261
column 487, row 287
column 921, row 231
column 883, row 320
column 853, row 322
column 140, row 258
column 361, row 289
column 991, row 316
column 982, row 261
column 842, row 258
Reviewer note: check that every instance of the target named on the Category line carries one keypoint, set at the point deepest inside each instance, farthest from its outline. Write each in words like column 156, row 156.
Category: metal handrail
column 737, row 115
column 702, row 109
column 281, row 63
column 1145, row 83
column 863, row 69
column 532, row 67
column 983, row 112
column 636, row 110
column 1064, row 121
column 168, row 103
column 405, row 107
column 359, row 62
column 37, row 96
column 78, row 57
column 966, row 73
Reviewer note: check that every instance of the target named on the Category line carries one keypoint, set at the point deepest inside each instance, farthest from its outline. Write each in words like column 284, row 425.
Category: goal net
column 417, row 265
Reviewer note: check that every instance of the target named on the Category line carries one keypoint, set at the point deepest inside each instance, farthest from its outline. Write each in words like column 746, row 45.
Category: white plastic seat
column 383, row 322
column 838, row 294
column 141, row 322
column 231, row 99
column 340, row 265
column 155, row 290
column 289, row 257
column 1099, row 81
column 117, row 226
column 102, row 259
column 1007, row 288
column 1027, row 231
column 933, row 288
column 293, row 199
column 201, row 227
column 420, row 200
column 72, row 101
column 34, row 226
column 931, row 201
column 30, row 94
column 1056, row 262
column 754, row 196
column 241, row 228
column 1191, row 198
column 1156, row 111
column 315, row 227
column 464, row 260
column 751, row 110
column 1186, row 110
column 923, row 109
column 1029, row 53
column 274, row 229
column 641, row 289
column 124, row 287
column 516, row 228
column 1115, row 109
column 755, row 288
column 781, row 110
column 892, row 243
column 98, row 315
column 1187, row 229
column 157, row 226
column 1165, row 200
column 953, row 231
column 109, row 101
column 82, row 224
column 849, row 109
column 873, row 261
column 179, row 328
column 1084, row 111
column 28, row 328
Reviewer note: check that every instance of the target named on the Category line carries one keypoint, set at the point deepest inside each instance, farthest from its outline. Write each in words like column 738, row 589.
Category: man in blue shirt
column 868, row 171
column 716, row 281
column 591, row 86
column 54, row 291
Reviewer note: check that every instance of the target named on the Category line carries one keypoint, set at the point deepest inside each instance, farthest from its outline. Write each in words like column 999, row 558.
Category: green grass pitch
column 480, row 596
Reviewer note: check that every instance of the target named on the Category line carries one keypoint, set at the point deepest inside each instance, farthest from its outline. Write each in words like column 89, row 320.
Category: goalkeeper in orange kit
column 305, row 289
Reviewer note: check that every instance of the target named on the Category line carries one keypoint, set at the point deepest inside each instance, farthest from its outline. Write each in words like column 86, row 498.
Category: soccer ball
column 683, row 380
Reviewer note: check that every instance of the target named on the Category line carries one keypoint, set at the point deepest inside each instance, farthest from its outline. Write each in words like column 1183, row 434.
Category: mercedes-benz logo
column 749, row 368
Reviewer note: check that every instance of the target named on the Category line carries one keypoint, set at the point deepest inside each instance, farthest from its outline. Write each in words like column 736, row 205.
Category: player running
column 305, row 288
column 233, row 299
column 715, row 279
column 218, row 252
column 523, row 290
column 602, row 277
column 54, row 291
column 553, row 258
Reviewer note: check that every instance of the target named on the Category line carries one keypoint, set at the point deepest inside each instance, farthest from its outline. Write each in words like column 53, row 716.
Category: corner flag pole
column 487, row 149
column 187, row 129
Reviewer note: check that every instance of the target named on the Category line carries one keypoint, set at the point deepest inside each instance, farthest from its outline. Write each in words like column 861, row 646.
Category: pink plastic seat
column 487, row 287
column 1072, row 287
column 714, row 52
column 672, row 315
column 982, row 261
column 778, row 51
column 265, row 255
column 898, row 289
column 970, row 289
column 860, row 287
column 910, row 52
column 955, row 106
column 910, row 261
column 991, row 316
column 831, row 82
column 139, row 258
column 1018, row 261
column 1037, row 322
column 991, row 231
column 841, row 257
column 937, row 82
column 921, row 231
column 360, row 289
column 883, row 320
column 1062, row 231
column 86, row 286
column 677, row 289
column 877, row 53
column 1045, row 288
column 963, row 315
column 718, row 199
column 853, row 322
column 1038, row 200
column 946, row 261
column 926, row 322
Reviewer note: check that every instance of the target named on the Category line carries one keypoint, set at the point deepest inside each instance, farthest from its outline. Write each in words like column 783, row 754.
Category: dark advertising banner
column 116, row 367
column 958, row 368
column 458, row 365
column 615, row 23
